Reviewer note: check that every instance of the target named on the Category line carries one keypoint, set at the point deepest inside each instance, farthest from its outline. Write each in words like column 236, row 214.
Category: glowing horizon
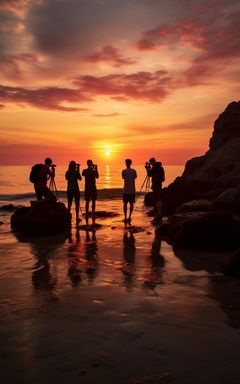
column 88, row 86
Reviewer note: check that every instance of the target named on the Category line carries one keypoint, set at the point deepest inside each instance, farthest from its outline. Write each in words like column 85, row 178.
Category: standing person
column 129, row 175
column 155, row 170
column 72, row 176
column 90, row 174
column 40, row 174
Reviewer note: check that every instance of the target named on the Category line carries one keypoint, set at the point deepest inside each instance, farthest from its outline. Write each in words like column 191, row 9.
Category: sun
column 107, row 153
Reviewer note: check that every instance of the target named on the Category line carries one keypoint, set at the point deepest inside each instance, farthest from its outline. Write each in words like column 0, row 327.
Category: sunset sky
column 110, row 79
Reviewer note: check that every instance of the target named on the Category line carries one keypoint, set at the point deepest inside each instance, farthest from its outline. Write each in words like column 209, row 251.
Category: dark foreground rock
column 42, row 218
column 8, row 207
column 212, row 174
column 202, row 231
column 232, row 268
column 196, row 206
column 229, row 199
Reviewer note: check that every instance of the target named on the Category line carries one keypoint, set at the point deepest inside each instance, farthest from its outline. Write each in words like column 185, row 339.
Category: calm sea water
column 15, row 183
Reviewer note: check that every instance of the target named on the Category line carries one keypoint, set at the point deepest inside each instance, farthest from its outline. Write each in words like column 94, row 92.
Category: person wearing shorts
column 72, row 176
column 129, row 175
column 90, row 174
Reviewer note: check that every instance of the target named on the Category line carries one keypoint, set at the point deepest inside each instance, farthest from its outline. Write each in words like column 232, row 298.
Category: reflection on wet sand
column 155, row 276
column 129, row 251
column 222, row 288
column 91, row 255
column 42, row 276
column 74, row 261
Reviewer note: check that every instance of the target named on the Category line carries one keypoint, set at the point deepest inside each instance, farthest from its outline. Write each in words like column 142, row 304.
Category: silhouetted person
column 45, row 173
column 90, row 174
column 72, row 176
column 156, row 172
column 129, row 251
column 129, row 175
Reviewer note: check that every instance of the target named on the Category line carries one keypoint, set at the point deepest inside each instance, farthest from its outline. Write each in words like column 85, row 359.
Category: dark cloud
column 149, row 86
column 213, row 41
column 45, row 98
column 79, row 27
column 143, row 86
column 111, row 55
column 15, row 67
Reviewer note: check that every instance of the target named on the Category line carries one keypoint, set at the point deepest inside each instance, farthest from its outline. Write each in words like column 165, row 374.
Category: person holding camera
column 129, row 175
column 46, row 171
column 90, row 174
column 155, row 170
column 72, row 176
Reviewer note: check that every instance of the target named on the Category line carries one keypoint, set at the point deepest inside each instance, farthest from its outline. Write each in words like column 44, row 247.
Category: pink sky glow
column 136, row 78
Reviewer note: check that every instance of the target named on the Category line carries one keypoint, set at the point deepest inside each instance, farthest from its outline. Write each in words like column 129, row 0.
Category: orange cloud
column 111, row 55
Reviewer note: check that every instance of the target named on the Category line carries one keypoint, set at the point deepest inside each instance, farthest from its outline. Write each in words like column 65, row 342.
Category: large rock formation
column 212, row 174
column 212, row 230
column 42, row 218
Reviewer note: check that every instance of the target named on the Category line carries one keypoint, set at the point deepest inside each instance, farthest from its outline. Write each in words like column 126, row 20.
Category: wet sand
column 111, row 306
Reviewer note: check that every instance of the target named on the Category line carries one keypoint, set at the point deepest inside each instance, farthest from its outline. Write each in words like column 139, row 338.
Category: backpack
column 34, row 174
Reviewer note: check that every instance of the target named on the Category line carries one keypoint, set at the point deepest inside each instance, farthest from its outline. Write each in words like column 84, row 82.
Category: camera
column 147, row 165
column 53, row 165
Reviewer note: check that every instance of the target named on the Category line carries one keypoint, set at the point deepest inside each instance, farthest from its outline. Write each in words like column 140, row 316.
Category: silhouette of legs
column 130, row 213
column 87, row 211
column 125, row 212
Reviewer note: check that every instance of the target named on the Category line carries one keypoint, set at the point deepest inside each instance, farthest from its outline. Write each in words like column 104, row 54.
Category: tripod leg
column 55, row 189
column 145, row 180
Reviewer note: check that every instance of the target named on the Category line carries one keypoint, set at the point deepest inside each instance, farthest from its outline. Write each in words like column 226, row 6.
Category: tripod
column 146, row 182
column 53, row 187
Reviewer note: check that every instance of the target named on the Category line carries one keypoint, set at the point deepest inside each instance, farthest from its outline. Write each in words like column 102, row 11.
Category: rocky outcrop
column 42, row 218
column 214, row 230
column 212, row 174
column 232, row 268
column 229, row 200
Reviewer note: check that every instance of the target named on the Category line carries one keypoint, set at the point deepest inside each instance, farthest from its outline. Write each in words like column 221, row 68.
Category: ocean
column 16, row 188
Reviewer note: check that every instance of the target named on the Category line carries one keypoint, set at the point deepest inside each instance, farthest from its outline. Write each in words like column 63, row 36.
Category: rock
column 149, row 200
column 8, row 207
column 232, row 268
column 175, row 195
column 1, row 223
column 201, row 205
column 202, row 231
column 227, row 126
column 83, row 372
column 229, row 199
column 210, row 175
column 42, row 218
column 96, row 363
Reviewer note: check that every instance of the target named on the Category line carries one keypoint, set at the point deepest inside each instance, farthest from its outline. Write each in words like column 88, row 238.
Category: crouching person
column 40, row 174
